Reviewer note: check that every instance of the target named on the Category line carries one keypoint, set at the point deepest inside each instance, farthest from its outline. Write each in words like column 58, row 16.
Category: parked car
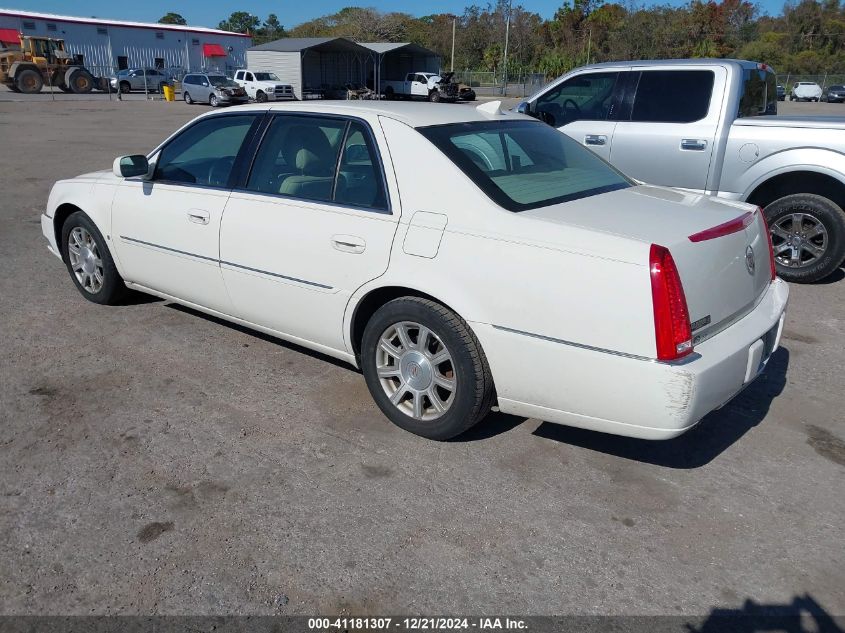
column 544, row 279
column 712, row 139
column 834, row 94
column 150, row 79
column 263, row 86
column 806, row 91
column 430, row 86
column 213, row 89
column 781, row 92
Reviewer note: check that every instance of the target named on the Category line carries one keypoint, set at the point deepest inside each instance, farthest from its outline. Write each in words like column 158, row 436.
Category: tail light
column 671, row 318
column 769, row 241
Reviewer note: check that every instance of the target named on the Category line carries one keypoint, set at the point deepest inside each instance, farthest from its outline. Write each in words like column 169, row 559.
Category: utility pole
column 505, row 62
column 589, row 44
column 452, row 61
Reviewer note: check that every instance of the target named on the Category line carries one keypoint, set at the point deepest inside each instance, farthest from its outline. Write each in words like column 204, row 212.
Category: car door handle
column 693, row 144
column 199, row 216
column 595, row 139
column 348, row 243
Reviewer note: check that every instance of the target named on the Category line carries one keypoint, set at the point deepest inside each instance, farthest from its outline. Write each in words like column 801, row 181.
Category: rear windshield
column 759, row 94
column 524, row 165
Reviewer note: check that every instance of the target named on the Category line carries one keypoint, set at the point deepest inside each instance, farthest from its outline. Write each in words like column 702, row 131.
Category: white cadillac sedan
column 461, row 257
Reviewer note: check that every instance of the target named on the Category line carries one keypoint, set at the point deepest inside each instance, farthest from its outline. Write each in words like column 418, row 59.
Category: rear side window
column 205, row 153
column 759, row 93
column 673, row 96
column 320, row 159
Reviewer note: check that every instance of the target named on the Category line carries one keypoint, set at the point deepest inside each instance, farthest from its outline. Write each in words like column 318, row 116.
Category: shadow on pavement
column 803, row 615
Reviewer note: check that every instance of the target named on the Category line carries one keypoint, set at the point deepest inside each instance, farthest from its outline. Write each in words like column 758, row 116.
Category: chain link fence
column 788, row 80
column 486, row 83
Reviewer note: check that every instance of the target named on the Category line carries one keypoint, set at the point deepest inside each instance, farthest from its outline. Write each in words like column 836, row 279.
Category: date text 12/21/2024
column 415, row 623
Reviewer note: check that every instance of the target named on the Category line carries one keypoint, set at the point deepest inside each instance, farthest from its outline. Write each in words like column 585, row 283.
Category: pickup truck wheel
column 808, row 236
column 434, row 96
column 425, row 369
column 260, row 96
column 89, row 261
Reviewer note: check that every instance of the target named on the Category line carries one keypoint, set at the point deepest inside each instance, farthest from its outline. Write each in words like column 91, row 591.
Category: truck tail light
column 769, row 241
column 671, row 317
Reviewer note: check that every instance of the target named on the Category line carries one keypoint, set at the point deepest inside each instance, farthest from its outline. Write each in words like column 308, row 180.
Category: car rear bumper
column 561, row 382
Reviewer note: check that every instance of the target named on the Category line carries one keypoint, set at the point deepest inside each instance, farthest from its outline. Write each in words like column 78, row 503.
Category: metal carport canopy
column 381, row 49
column 326, row 48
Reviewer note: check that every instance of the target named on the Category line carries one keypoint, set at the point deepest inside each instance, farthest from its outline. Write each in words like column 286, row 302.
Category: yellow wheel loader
column 39, row 61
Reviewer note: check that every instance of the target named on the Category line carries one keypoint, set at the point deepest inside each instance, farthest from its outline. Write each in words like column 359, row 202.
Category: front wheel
column 808, row 236
column 425, row 368
column 261, row 97
column 434, row 96
column 213, row 101
column 89, row 261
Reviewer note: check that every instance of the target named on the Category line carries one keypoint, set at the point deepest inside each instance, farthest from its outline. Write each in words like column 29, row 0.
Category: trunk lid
column 724, row 272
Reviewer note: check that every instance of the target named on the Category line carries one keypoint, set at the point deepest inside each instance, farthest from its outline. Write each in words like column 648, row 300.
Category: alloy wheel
column 85, row 260
column 799, row 240
column 416, row 370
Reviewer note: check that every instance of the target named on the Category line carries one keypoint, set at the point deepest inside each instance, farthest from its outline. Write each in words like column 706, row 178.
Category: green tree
column 172, row 18
column 240, row 22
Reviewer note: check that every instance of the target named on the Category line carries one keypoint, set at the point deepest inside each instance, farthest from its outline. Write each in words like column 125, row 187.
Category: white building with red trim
column 105, row 46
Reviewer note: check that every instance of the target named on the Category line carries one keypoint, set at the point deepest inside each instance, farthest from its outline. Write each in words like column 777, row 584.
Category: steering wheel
column 570, row 107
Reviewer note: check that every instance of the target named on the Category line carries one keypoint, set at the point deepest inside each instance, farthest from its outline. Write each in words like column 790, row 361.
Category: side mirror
column 131, row 166
column 524, row 108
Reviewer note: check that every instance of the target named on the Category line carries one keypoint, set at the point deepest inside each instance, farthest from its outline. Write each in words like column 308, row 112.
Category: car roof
column 414, row 114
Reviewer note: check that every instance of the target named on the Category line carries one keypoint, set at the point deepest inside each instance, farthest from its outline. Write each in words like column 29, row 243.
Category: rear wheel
column 187, row 98
column 81, row 81
column 89, row 261
column 808, row 236
column 425, row 368
column 29, row 81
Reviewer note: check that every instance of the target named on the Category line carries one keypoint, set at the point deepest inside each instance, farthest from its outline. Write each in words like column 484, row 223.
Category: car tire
column 213, row 101
column 820, row 235
column 187, row 98
column 125, row 87
column 434, row 96
column 261, row 96
column 408, row 376
column 91, row 267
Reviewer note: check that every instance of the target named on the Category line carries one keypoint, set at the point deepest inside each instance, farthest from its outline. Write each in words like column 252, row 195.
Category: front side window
column 588, row 97
column 249, row 77
column 205, row 153
column 524, row 165
column 301, row 157
column 673, row 96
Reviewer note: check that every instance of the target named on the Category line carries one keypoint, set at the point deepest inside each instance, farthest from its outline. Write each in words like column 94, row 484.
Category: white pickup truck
column 422, row 84
column 263, row 86
column 701, row 125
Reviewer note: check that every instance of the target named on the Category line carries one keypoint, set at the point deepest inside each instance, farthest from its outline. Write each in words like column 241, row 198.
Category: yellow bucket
column 169, row 93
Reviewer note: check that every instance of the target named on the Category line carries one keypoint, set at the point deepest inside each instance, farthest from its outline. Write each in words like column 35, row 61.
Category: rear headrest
column 307, row 162
column 312, row 139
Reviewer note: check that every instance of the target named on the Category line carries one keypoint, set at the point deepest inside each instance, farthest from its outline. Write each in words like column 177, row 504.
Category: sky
column 210, row 12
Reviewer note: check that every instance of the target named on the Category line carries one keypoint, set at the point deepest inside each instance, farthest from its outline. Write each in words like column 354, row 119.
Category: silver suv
column 212, row 88
column 135, row 78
